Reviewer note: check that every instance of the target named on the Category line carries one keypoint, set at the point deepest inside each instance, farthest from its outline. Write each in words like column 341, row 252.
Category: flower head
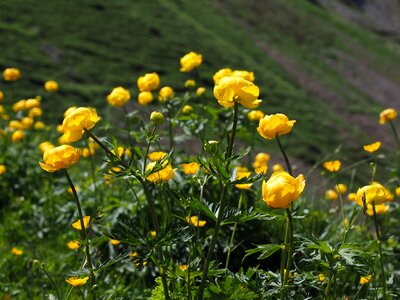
column 3, row 169
column 190, row 61
column 191, row 168
column 60, row 157
column 272, row 125
column 51, row 86
column 372, row 147
column 373, row 193
column 77, row 224
column 341, row 188
column 164, row 174
column 365, row 279
column 148, row 82
column 331, row 195
column 195, row 221
column 231, row 90
column 157, row 118
column 119, row 96
column 11, row 74
column 165, row 93
column 75, row 281
column 157, row 155
column 200, row 91
column 73, row 245
column 255, row 115
column 241, row 174
column 387, row 115
column 16, row 251
column 78, row 120
column 332, row 166
column 17, row 136
column 145, row 98
column 282, row 189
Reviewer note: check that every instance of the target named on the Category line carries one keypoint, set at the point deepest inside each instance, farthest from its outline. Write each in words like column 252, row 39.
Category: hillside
column 332, row 76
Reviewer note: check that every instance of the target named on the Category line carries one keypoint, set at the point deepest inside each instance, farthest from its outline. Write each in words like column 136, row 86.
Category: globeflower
column 255, row 115
column 17, row 136
column 380, row 209
column 19, row 105
column 372, row 147
column 332, row 166
column 77, row 224
column 331, row 195
column 190, row 168
column 60, row 157
column 119, row 96
column 282, row 189
column 78, row 120
column 242, row 175
column 374, row 193
column 16, row 251
column 200, row 91
column 387, row 115
column 365, row 279
column 190, row 83
column 195, row 221
column 272, row 125
column 145, row 98
column 165, row 93
column 164, row 174
column 51, row 86
column 75, row 281
column 31, row 103
column 190, row 61
column 187, row 109
column 231, row 90
column 148, row 82
column 11, row 74
column 3, row 169
column 157, row 155
column 73, row 245
column 341, row 188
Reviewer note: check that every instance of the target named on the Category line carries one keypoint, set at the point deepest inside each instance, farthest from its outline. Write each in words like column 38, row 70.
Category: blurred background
column 332, row 65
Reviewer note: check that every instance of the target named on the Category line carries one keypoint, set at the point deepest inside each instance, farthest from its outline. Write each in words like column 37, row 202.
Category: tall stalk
column 233, row 235
column 378, row 238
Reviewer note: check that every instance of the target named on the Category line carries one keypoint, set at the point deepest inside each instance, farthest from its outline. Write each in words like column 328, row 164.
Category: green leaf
column 266, row 250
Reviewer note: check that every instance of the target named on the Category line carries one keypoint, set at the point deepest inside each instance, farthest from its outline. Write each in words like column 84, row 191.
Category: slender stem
column 289, row 250
column 83, row 234
column 328, row 287
column 378, row 237
column 284, row 252
column 147, row 149
column 51, row 281
column 341, row 202
column 92, row 168
column 229, row 150
column 233, row 235
column 351, row 223
column 128, row 126
column 284, row 155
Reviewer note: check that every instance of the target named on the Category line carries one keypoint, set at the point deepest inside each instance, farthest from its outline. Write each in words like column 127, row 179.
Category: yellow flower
column 321, row 277
column 11, row 74
column 191, row 168
column 195, row 221
column 39, row 125
column 145, row 98
column 119, row 96
column 352, row 197
column 35, row 112
column 331, row 195
column 60, row 157
column 372, row 147
column 374, row 193
column 190, row 61
column 31, row 103
column 120, row 151
column 380, row 209
column 341, row 188
column 77, row 224
column 78, row 120
column 17, row 136
column 244, row 74
column 165, row 93
column 1, row 96
column 277, row 167
column 365, row 279
column 17, row 251
column 19, row 105
column 157, row 155
column 115, row 242
column 73, row 245
column 272, row 125
column 190, row 83
column 75, row 281
column 157, row 118
column 153, row 233
column 69, row 110
column 236, row 89
column 398, row 191
column 387, row 115
column 187, row 109
column 3, row 169
column 200, row 91
column 148, row 82
column 255, row 115
column 44, row 146
column 14, row 125
column 165, row 174
column 221, row 74
column 282, row 189
column 183, row 267
column 241, row 175
column 332, row 166
column 27, row 123
column 51, row 86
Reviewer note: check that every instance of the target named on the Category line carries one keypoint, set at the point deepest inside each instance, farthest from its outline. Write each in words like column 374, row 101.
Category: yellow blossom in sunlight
column 51, row 86
column 387, row 115
column 373, row 193
column 115, row 242
column 3, row 169
column 255, row 115
column 190, row 168
column 352, row 197
column 380, row 209
column 183, row 267
column 118, row 96
column 148, row 82
column 78, row 120
column 164, row 174
column 195, row 221
column 372, row 147
column 157, row 155
column 200, row 91
column 190, row 61
column 73, row 245
column 365, row 279
column 231, row 90
column 282, row 189
column 244, row 74
column 332, row 166
column 60, row 157
column 145, row 98
column 75, row 281
column 77, row 224
column 19, row 105
column 272, row 125
column 17, row 251
column 165, row 93
column 221, row 74
column 341, row 188
column 187, row 109
column 190, row 83
column 11, row 74
column 17, row 136
column 331, row 195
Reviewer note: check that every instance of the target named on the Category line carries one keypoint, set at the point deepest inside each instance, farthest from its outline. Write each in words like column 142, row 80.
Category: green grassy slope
column 92, row 46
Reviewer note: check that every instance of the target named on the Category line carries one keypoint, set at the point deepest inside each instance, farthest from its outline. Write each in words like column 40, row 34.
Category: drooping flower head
column 190, row 61
column 272, row 125
column 231, row 90
column 78, row 120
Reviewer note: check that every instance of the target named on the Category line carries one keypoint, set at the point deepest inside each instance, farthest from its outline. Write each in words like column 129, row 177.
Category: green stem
column 328, row 287
column 92, row 168
column 341, row 202
column 170, row 130
column 284, row 155
column 378, row 237
column 229, row 150
column 147, row 149
column 128, row 127
column 233, row 235
column 83, row 234
column 289, row 250
column 51, row 281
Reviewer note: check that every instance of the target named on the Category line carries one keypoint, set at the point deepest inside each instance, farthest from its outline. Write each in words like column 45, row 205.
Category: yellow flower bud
column 145, row 98
column 331, row 195
column 187, row 109
column 341, row 188
column 31, row 103
column 119, row 96
column 272, row 125
column 17, row 136
column 190, row 61
column 352, row 197
column 35, row 112
column 39, row 125
column 255, row 115
column 190, row 83
column 19, row 105
column 77, row 224
column 73, row 245
column 3, row 169
column 200, row 91
column 157, row 118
